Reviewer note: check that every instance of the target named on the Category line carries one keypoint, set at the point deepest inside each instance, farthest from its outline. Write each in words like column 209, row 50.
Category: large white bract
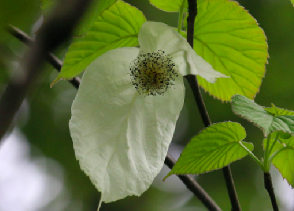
column 120, row 135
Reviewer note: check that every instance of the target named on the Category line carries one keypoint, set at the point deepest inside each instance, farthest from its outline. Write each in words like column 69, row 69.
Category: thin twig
column 190, row 183
column 50, row 58
column 269, row 187
column 201, row 106
column 193, row 186
column 56, row 29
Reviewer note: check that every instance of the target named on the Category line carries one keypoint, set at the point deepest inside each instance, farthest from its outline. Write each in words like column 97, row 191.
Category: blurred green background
column 38, row 163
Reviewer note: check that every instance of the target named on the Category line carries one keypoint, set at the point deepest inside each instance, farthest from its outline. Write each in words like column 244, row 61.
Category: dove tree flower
column 125, row 112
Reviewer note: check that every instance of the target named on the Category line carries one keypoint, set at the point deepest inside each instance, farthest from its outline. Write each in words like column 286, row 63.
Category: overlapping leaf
column 284, row 160
column 215, row 147
column 268, row 119
column 278, row 111
column 117, row 27
column 170, row 5
column 229, row 38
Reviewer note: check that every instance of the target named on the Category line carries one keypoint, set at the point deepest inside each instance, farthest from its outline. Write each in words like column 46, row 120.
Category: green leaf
column 215, row 147
column 284, row 136
column 292, row 2
column 286, row 139
column 278, row 111
column 169, row 5
column 229, row 38
column 94, row 10
column 268, row 119
column 283, row 160
column 117, row 27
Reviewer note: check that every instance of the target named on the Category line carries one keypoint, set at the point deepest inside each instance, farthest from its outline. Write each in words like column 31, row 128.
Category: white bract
column 125, row 112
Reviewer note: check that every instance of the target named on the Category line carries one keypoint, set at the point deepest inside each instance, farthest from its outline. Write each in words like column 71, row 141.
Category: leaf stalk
column 266, row 155
column 253, row 156
column 181, row 15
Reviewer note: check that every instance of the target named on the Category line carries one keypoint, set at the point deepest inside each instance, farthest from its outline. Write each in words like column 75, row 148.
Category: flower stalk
column 181, row 13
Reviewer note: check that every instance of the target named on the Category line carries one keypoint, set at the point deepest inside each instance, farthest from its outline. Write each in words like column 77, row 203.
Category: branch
column 269, row 187
column 192, row 79
column 50, row 58
column 55, row 30
column 190, row 183
column 193, row 186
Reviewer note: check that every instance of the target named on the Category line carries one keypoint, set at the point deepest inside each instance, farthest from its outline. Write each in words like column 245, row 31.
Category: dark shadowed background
column 37, row 163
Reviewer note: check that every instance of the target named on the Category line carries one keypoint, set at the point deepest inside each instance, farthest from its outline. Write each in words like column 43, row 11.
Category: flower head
column 125, row 112
column 153, row 73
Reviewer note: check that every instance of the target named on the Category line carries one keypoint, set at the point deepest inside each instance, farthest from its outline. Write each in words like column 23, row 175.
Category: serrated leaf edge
column 262, row 129
column 215, row 97
column 168, row 175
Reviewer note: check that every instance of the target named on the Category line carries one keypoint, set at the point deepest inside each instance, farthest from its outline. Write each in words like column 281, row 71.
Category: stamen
column 153, row 73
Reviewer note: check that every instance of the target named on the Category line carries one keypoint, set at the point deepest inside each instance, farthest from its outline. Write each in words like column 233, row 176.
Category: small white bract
column 125, row 112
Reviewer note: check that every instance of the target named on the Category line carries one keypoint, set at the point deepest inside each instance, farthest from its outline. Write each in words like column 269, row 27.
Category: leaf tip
column 168, row 175
column 56, row 80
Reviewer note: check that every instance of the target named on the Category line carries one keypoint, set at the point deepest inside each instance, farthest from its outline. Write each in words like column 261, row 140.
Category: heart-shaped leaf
column 213, row 148
column 229, row 38
column 117, row 27
column 170, row 5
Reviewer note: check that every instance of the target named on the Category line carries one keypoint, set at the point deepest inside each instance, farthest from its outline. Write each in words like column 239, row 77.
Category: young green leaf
column 170, row 5
column 292, row 2
column 284, row 159
column 278, row 111
column 117, row 27
column 268, row 119
column 94, row 10
column 215, row 147
column 229, row 38
column 97, row 8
